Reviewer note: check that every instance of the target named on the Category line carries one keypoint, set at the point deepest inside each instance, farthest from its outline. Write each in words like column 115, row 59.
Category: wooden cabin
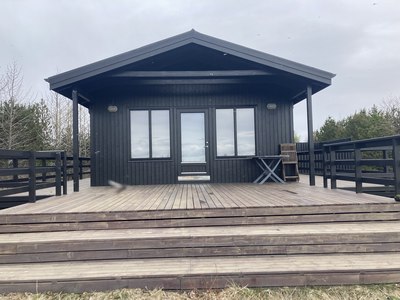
column 190, row 107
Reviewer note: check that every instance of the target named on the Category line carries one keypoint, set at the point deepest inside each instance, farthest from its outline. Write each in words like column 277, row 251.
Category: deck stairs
column 201, row 249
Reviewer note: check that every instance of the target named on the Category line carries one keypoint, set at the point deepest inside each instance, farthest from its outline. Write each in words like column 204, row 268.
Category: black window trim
column 235, row 156
column 150, row 158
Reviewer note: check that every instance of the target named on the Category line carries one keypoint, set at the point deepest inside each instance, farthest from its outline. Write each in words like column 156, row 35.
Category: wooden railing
column 304, row 156
column 29, row 171
column 374, row 161
column 84, row 166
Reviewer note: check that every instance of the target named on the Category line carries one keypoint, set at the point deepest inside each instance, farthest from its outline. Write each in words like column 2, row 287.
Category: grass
column 370, row 292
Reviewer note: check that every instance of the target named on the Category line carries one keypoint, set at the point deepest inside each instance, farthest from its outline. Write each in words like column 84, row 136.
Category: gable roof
column 71, row 78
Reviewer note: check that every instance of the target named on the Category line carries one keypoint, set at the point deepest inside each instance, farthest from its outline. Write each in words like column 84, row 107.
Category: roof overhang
column 232, row 61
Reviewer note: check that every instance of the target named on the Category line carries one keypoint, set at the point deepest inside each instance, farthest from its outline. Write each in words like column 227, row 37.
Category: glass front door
column 193, row 138
column 193, row 145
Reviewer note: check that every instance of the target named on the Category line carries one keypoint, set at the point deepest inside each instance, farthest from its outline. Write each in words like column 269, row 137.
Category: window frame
column 150, row 135
column 235, row 140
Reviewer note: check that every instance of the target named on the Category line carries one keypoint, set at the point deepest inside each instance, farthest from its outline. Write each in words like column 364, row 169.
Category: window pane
column 245, row 131
column 193, row 137
column 160, row 141
column 225, row 132
column 140, row 134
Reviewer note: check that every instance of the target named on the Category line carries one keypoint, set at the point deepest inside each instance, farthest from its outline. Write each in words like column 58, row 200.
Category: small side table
column 268, row 165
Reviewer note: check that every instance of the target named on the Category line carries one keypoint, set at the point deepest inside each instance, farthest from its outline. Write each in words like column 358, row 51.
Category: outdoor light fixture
column 271, row 106
column 112, row 108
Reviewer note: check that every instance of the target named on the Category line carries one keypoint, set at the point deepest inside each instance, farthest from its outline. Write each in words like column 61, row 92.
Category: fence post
column 32, row 176
column 357, row 171
column 396, row 165
column 332, row 154
column 58, row 174
column 64, row 173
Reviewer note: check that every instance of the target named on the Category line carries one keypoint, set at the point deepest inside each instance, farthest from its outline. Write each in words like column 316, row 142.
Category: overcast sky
column 359, row 40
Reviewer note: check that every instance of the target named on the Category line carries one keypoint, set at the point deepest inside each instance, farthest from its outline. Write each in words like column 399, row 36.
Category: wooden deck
column 192, row 197
column 203, row 235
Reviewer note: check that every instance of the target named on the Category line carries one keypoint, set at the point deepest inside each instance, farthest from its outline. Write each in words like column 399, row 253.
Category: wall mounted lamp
column 271, row 106
column 112, row 108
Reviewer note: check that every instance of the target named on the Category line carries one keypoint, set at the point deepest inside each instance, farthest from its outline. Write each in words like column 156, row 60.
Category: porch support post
column 75, row 139
column 310, row 136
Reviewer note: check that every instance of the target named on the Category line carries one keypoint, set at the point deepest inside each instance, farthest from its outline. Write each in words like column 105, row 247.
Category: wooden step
column 192, row 218
column 367, row 237
column 202, row 273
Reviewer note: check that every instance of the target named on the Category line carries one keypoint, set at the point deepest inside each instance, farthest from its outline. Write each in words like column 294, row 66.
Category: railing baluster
column 358, row 170
column 58, row 173
column 332, row 154
column 396, row 165
column 44, row 174
column 80, row 168
column 32, row 177
column 64, row 173
column 325, row 165
column 15, row 165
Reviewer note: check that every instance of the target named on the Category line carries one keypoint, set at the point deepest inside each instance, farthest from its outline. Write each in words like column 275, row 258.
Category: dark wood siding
column 111, row 131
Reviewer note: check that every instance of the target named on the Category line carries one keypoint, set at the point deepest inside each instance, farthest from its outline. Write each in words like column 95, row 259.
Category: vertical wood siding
column 110, row 132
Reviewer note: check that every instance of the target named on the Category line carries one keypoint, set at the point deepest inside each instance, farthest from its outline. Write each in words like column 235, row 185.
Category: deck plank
column 194, row 196
column 199, row 266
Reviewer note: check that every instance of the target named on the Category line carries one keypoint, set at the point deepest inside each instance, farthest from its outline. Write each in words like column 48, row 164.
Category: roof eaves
column 119, row 60
column 264, row 58
column 171, row 43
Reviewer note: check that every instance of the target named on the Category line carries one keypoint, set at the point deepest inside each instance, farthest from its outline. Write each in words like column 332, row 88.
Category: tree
column 367, row 124
column 330, row 130
column 40, row 125
column 60, row 117
column 364, row 124
column 22, row 125
column 391, row 108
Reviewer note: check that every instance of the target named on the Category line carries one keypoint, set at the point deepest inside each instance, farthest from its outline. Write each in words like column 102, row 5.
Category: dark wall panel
column 111, row 131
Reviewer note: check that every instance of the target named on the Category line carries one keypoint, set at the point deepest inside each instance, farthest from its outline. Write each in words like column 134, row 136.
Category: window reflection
column 193, row 137
column 245, row 131
column 160, row 141
column 141, row 143
column 225, row 132
column 140, row 134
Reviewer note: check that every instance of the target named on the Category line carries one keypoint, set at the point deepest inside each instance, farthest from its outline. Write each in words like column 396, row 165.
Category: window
column 235, row 132
column 150, row 136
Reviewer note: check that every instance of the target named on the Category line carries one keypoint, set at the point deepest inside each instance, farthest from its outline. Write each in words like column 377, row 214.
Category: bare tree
column 60, row 109
column 391, row 108
column 84, row 132
column 14, row 125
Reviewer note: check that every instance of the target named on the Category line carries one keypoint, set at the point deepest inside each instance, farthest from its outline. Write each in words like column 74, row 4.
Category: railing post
column 58, row 174
column 15, row 165
column 81, row 168
column 357, row 171
column 310, row 136
column 75, row 139
column 32, row 176
column 64, row 173
column 396, row 165
column 385, row 155
column 332, row 154
column 44, row 174
column 325, row 165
